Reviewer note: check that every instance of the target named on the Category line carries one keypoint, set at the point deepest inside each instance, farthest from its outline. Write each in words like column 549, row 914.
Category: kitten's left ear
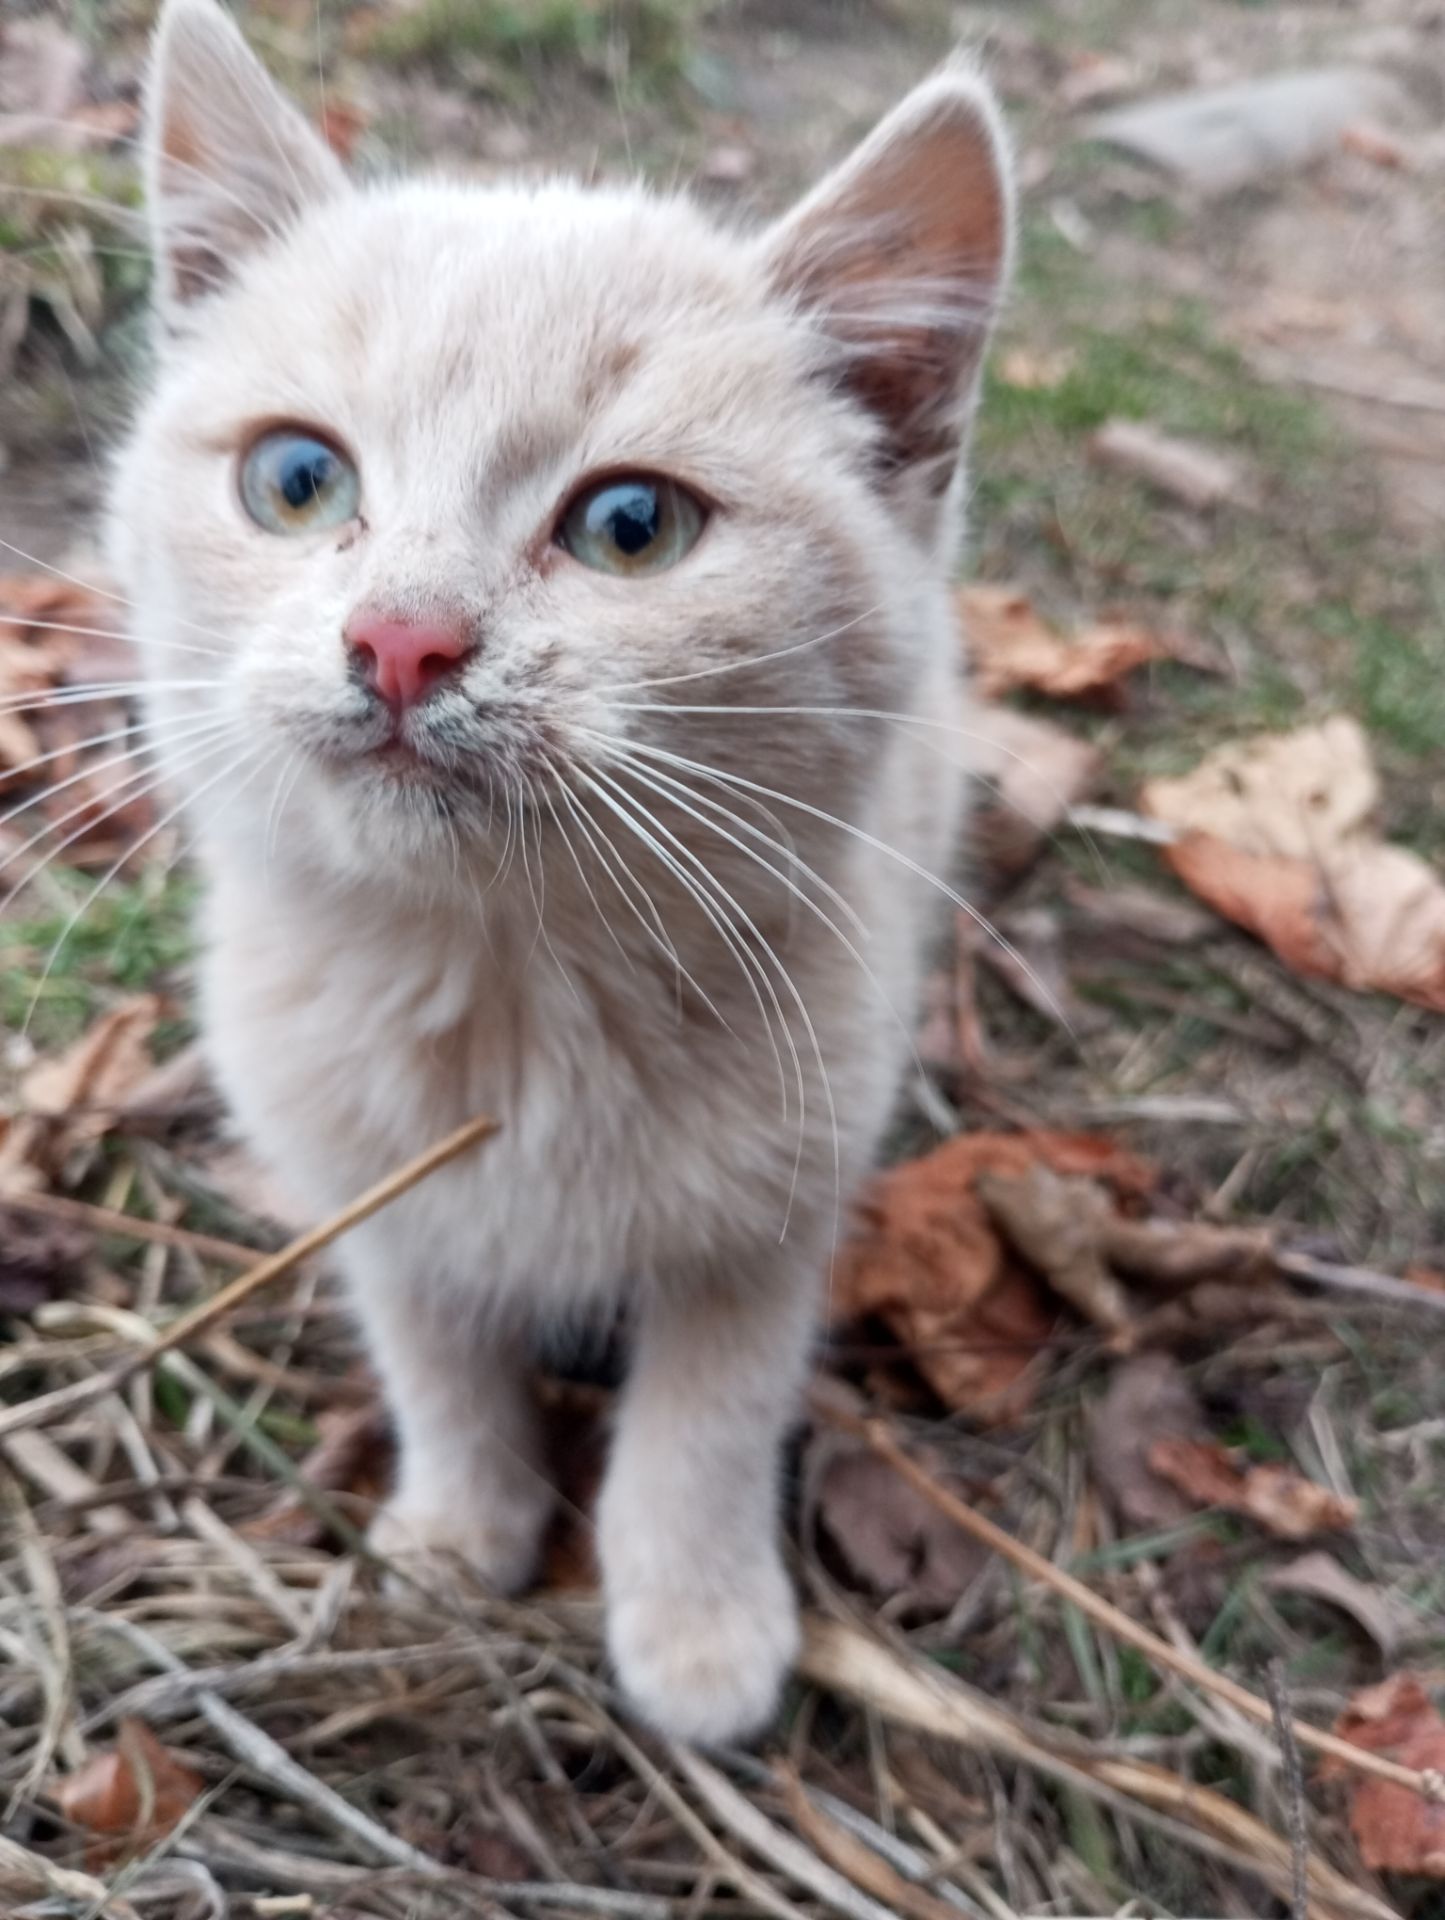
column 229, row 161
column 901, row 256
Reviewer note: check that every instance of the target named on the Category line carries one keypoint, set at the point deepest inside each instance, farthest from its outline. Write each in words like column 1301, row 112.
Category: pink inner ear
column 903, row 261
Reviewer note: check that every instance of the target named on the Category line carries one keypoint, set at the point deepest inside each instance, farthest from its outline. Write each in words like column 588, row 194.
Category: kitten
column 562, row 581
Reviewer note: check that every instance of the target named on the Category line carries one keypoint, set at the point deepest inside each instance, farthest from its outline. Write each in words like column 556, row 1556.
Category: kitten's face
column 604, row 449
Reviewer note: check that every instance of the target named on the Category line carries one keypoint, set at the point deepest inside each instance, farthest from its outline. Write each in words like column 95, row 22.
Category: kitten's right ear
column 229, row 161
column 901, row 257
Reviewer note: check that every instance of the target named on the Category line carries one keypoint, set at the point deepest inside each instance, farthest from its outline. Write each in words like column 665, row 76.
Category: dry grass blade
column 1099, row 1610
column 26, row 1876
column 128, row 1226
column 856, row 1859
column 66, row 1400
column 846, row 1660
column 771, row 1843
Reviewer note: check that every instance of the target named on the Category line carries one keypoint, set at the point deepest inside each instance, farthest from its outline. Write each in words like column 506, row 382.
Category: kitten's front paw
column 502, row 1549
column 706, row 1665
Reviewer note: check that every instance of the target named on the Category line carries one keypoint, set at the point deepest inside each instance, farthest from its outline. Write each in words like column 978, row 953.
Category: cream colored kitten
column 567, row 576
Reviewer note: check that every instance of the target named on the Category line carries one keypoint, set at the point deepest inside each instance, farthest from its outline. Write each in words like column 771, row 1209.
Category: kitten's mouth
column 455, row 761
column 396, row 758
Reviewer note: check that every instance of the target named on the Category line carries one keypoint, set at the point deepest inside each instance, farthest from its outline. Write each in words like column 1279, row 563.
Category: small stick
column 1383, row 1286
column 1429, row 1785
column 1299, row 1905
column 65, row 1400
column 126, row 1226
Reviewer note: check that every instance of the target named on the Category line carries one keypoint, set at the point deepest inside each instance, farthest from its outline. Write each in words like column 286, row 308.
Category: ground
column 1294, row 324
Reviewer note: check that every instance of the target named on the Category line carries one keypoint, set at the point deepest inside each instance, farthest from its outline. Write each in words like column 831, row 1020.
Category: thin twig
column 24, row 1874
column 781, row 1850
column 1382, row 1286
column 1429, row 1786
column 1294, row 1787
column 127, row 1226
column 65, row 1400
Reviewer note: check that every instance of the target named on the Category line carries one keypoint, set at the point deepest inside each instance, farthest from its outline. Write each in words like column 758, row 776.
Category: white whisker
column 598, row 841
column 1056, row 793
column 101, row 593
column 748, row 925
column 754, row 660
column 980, row 920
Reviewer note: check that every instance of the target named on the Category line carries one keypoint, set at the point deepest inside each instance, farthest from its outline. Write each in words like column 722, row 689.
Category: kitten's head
column 446, row 492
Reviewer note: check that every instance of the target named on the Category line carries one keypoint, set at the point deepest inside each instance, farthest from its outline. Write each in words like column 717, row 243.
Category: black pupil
column 307, row 471
column 629, row 515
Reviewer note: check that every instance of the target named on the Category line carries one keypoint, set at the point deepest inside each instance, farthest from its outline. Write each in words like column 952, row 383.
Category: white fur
column 679, row 1138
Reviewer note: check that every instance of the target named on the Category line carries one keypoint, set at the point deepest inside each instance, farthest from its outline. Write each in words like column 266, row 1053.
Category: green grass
column 650, row 36
column 132, row 937
column 1296, row 588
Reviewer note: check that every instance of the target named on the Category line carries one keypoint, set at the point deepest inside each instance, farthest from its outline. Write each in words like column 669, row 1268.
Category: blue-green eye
column 294, row 483
column 635, row 524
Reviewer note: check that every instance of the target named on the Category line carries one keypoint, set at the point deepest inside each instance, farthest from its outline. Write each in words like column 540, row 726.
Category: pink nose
column 403, row 660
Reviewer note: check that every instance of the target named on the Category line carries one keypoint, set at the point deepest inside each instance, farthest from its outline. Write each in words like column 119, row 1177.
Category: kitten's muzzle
column 403, row 661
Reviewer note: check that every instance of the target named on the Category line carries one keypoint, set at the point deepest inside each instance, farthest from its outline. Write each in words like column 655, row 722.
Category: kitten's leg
column 470, row 1472
column 701, row 1616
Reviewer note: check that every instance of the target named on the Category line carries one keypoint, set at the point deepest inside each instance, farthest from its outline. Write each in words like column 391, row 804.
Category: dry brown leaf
column 1398, row 1830
column 1372, row 143
column 1171, row 1256
column 1298, row 794
column 1093, row 77
column 1319, row 1576
column 926, row 1260
column 1009, row 646
column 1032, row 371
column 1057, row 1225
column 1199, row 476
column 1371, row 918
column 1070, row 1230
column 67, row 629
column 1281, row 1500
column 1032, row 771
column 890, row 1537
column 1423, row 1276
column 1276, row 837
column 131, row 1795
column 1148, row 1397
column 90, row 1082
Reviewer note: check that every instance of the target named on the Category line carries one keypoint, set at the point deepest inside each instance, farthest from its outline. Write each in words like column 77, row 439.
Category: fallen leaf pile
column 1398, row 1830
column 928, row 1261
column 1276, row 834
